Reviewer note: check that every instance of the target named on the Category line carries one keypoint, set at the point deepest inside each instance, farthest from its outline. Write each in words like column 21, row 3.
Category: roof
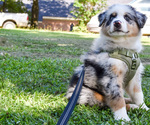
column 1, row 3
column 53, row 8
column 60, row 8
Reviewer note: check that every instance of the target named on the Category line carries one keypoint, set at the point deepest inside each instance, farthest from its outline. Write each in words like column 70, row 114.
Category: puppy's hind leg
column 87, row 97
column 128, row 100
column 131, row 106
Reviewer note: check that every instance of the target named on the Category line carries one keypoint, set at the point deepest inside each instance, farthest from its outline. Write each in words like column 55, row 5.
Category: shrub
column 85, row 9
column 13, row 6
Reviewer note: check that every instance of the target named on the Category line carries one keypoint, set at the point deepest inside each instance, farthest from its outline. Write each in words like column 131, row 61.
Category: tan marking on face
column 136, row 88
column 117, row 104
column 114, row 13
column 128, row 107
column 133, row 29
column 99, row 97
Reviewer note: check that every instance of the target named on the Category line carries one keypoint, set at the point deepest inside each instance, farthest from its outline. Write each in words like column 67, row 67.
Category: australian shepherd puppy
column 106, row 78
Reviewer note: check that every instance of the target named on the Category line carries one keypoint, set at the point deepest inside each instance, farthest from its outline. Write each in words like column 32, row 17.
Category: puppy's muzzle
column 117, row 25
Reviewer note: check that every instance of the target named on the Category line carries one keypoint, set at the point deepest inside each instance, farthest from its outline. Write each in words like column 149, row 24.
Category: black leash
column 72, row 102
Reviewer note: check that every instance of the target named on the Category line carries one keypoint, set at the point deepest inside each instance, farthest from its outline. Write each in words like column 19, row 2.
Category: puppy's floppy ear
column 140, row 19
column 102, row 18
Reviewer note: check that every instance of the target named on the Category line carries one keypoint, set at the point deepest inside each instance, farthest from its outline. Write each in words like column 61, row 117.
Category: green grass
column 35, row 69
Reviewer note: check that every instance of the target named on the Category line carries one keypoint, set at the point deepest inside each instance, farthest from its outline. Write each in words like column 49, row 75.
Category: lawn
column 35, row 69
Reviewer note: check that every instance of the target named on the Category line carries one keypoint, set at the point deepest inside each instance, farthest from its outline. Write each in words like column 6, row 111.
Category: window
column 144, row 1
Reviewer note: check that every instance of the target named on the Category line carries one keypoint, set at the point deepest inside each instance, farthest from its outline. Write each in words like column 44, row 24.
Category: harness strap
column 131, row 59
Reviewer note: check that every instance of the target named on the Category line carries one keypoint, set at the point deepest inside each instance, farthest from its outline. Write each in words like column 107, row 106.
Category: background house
column 111, row 2
column 55, row 14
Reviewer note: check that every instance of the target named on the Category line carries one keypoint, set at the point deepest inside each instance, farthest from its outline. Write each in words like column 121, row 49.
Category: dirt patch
column 38, row 55
column 3, row 41
column 145, row 61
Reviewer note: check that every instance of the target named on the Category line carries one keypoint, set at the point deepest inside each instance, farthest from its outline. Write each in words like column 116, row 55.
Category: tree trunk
column 35, row 14
column 3, row 6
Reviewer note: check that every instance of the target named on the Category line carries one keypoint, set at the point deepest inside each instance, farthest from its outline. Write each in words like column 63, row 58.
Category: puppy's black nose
column 117, row 24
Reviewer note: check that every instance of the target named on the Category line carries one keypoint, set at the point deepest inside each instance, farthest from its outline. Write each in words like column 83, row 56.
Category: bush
column 85, row 9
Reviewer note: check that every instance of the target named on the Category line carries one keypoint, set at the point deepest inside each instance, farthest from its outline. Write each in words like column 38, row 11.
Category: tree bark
column 35, row 14
column 3, row 6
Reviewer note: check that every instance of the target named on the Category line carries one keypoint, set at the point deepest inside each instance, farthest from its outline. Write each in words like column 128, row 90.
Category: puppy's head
column 121, row 20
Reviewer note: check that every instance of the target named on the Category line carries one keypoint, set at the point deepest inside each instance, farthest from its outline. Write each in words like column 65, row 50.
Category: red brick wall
column 57, row 24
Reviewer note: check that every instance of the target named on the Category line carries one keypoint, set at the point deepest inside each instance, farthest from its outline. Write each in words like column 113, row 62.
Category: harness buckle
column 134, row 61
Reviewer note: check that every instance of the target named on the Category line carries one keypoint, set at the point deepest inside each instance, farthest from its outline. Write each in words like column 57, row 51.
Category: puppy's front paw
column 122, row 117
column 121, row 114
column 146, row 108
column 131, row 106
column 143, row 106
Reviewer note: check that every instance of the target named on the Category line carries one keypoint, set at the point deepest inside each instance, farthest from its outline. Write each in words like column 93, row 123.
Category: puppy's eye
column 127, row 18
column 113, row 15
